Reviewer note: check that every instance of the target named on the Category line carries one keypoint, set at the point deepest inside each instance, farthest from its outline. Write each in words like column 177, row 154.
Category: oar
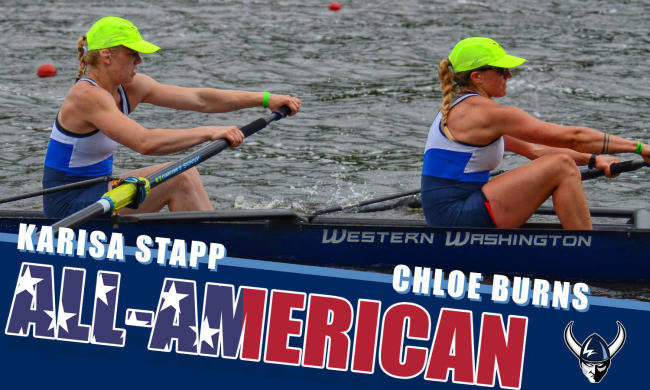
column 616, row 168
column 377, row 200
column 364, row 203
column 123, row 195
column 71, row 186
column 593, row 211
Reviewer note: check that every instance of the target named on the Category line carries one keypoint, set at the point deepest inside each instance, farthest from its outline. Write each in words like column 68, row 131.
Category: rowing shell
column 615, row 252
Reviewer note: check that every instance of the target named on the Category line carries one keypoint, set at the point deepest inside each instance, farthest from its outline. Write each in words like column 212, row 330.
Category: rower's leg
column 190, row 193
column 184, row 192
column 515, row 195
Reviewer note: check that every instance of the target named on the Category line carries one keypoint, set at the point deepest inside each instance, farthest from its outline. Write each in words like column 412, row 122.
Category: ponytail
column 85, row 56
column 448, row 93
column 81, row 55
column 451, row 85
column 447, row 87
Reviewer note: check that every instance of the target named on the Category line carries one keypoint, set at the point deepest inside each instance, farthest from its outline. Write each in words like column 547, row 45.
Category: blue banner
column 89, row 308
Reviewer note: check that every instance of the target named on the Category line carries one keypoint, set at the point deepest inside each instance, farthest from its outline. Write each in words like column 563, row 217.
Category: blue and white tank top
column 456, row 160
column 83, row 154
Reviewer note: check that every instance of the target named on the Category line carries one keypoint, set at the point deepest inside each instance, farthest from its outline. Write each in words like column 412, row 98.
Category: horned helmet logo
column 594, row 353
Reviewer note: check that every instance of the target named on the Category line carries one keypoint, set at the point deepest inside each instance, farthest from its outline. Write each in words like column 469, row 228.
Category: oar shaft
column 64, row 187
column 94, row 210
column 593, row 211
column 379, row 200
column 364, row 203
column 211, row 149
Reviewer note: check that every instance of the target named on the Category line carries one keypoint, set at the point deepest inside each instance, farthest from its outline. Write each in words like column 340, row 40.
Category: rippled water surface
column 365, row 74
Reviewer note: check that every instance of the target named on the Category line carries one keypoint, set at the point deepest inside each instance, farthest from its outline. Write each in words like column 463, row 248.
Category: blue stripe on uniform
column 58, row 157
column 450, row 164
column 102, row 168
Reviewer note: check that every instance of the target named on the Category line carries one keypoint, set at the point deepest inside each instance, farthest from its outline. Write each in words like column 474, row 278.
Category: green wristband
column 639, row 147
column 265, row 101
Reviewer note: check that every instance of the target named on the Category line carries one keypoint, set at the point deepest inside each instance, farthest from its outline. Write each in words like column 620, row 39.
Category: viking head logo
column 594, row 353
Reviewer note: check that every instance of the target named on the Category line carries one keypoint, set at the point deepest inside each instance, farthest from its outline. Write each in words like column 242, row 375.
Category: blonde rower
column 471, row 132
column 93, row 121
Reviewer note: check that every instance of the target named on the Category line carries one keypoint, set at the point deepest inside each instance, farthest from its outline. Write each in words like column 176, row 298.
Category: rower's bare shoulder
column 86, row 96
column 481, row 102
column 476, row 108
column 79, row 107
column 81, row 101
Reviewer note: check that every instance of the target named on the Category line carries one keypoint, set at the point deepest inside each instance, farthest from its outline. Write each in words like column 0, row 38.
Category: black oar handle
column 616, row 168
column 261, row 123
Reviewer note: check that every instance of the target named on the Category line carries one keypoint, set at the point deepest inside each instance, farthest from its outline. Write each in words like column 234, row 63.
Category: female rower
column 93, row 121
column 468, row 138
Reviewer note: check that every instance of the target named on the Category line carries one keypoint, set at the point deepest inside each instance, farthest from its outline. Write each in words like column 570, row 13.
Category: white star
column 172, row 298
column 101, row 290
column 27, row 283
column 63, row 317
column 195, row 329
column 133, row 320
column 207, row 332
column 50, row 313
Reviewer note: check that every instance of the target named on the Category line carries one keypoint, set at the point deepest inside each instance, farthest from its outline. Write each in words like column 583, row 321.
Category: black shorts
column 453, row 203
column 63, row 203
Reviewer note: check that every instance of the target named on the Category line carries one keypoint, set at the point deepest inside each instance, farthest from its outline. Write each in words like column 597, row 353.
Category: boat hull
column 614, row 253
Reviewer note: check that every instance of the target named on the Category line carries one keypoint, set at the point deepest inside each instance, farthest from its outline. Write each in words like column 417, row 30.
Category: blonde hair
column 451, row 85
column 87, row 57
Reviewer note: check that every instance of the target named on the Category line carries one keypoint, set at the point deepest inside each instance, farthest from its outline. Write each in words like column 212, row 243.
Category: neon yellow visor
column 475, row 52
column 112, row 31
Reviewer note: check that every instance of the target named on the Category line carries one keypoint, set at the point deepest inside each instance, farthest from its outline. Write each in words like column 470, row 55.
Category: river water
column 366, row 76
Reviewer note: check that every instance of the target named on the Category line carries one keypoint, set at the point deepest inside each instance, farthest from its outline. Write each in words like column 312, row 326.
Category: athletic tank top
column 83, row 154
column 456, row 160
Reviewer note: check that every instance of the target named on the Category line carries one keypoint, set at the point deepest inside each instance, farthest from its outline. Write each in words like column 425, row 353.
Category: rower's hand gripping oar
column 135, row 189
column 615, row 169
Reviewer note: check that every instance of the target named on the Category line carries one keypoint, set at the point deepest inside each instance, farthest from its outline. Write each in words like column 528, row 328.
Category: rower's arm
column 512, row 121
column 208, row 100
column 533, row 151
column 98, row 108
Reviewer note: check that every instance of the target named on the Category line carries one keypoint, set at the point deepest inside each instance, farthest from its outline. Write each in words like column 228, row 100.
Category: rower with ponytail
column 468, row 138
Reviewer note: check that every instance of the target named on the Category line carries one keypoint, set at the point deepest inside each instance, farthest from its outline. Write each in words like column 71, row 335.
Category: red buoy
column 46, row 70
column 335, row 6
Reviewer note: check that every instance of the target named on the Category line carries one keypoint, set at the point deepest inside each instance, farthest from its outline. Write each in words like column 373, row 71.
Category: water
column 366, row 76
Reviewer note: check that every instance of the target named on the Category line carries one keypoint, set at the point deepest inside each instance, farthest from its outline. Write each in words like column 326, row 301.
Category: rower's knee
column 565, row 166
column 188, row 181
